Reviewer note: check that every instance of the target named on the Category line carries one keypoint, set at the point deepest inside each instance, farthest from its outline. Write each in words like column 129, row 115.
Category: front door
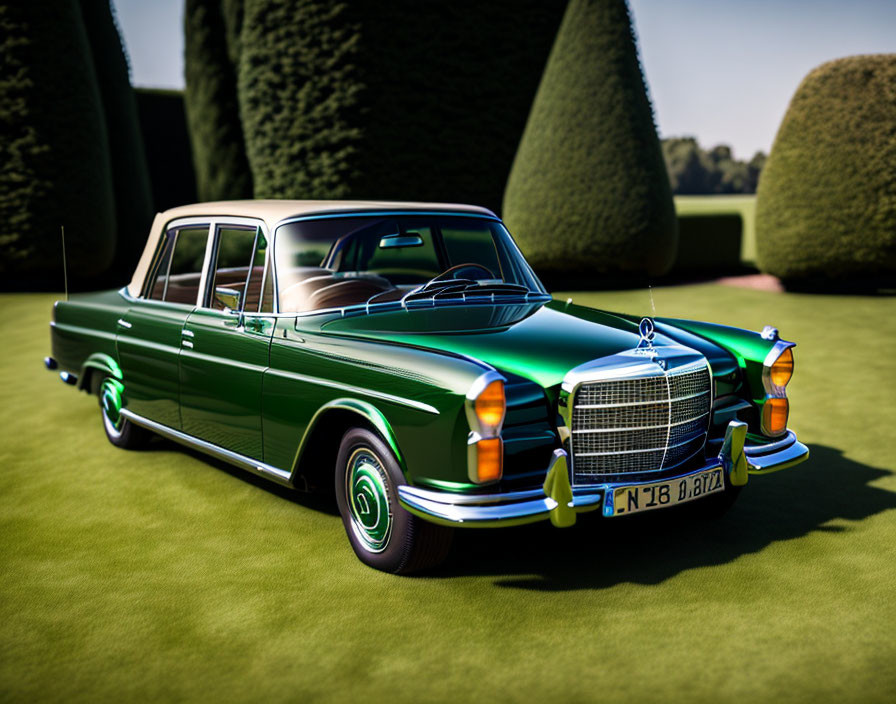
column 149, row 336
column 226, row 344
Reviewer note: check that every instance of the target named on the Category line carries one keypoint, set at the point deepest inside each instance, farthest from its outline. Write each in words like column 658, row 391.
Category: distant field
column 162, row 576
column 741, row 205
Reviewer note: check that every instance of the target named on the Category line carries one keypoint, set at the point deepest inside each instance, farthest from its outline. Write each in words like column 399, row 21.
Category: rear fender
column 101, row 362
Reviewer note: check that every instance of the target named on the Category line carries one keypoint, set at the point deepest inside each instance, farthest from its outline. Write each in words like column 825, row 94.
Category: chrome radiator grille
column 645, row 424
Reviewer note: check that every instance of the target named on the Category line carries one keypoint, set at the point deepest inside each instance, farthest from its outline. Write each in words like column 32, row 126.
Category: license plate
column 644, row 497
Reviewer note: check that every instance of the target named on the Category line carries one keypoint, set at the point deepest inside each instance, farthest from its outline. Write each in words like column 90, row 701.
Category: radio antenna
column 64, row 264
column 652, row 305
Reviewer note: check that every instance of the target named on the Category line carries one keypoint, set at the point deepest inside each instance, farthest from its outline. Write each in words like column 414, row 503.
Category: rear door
column 226, row 342
column 149, row 336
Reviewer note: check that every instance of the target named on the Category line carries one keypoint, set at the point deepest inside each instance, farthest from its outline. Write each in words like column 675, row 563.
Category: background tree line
column 697, row 171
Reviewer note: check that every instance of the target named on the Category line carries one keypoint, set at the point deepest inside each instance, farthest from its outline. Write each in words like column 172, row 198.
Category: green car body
column 276, row 391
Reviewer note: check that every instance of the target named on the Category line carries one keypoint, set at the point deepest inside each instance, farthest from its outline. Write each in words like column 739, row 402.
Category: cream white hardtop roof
column 272, row 212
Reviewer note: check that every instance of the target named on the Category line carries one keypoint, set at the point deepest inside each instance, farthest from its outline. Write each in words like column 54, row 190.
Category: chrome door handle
column 187, row 344
column 124, row 323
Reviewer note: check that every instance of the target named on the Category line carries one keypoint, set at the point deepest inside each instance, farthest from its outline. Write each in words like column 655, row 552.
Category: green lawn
column 162, row 576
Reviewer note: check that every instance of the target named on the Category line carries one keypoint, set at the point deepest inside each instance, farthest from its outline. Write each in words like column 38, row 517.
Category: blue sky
column 721, row 70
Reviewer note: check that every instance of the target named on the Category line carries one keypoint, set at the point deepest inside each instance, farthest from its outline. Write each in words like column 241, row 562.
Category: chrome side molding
column 242, row 461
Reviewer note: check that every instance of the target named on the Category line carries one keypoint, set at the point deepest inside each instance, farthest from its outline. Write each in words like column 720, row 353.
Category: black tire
column 367, row 477
column 120, row 431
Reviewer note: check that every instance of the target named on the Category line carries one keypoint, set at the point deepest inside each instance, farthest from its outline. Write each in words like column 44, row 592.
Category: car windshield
column 335, row 262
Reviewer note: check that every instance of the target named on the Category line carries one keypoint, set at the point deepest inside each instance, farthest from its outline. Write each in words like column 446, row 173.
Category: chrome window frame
column 176, row 224
column 213, row 223
column 247, row 224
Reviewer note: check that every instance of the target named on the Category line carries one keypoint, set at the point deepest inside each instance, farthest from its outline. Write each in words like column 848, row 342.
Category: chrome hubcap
column 367, row 497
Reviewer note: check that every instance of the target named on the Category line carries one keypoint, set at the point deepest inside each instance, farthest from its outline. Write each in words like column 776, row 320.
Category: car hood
column 538, row 341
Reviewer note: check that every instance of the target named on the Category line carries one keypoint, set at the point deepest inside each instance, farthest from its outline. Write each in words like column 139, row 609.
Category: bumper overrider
column 558, row 501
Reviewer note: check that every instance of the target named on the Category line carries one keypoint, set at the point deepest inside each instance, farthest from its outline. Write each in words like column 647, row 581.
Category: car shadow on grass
column 316, row 501
column 824, row 494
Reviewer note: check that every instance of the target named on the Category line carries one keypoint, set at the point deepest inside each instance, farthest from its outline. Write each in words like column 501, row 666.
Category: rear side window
column 179, row 270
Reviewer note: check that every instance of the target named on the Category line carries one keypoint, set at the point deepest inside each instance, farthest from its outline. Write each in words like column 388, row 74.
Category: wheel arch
column 317, row 451
column 97, row 362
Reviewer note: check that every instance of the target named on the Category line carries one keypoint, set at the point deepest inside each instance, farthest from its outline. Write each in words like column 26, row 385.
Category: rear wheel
column 382, row 533
column 120, row 431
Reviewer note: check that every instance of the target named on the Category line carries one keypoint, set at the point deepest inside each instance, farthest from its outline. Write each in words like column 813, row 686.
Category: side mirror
column 408, row 239
column 228, row 297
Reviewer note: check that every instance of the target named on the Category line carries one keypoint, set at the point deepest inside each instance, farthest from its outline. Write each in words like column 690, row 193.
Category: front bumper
column 519, row 507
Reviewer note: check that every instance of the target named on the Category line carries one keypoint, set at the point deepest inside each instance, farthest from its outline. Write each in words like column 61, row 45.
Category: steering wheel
column 453, row 272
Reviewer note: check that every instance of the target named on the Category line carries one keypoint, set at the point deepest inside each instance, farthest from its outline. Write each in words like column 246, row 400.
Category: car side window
column 241, row 280
column 179, row 270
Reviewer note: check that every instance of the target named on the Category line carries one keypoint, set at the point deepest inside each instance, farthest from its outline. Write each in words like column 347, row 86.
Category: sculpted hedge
column 826, row 205
column 588, row 193
column 56, row 168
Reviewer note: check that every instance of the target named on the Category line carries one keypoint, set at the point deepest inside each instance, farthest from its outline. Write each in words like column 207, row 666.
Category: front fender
column 364, row 410
column 749, row 348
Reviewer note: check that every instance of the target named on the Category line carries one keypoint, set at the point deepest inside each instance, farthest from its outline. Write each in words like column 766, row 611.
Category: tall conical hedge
column 163, row 125
column 826, row 203
column 213, row 115
column 407, row 100
column 588, row 193
column 53, row 148
column 130, row 176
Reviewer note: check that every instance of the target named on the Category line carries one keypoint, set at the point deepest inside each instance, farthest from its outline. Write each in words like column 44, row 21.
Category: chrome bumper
column 781, row 454
column 519, row 507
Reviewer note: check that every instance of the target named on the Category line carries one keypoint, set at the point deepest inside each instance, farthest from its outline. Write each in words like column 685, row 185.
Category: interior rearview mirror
column 228, row 297
column 408, row 239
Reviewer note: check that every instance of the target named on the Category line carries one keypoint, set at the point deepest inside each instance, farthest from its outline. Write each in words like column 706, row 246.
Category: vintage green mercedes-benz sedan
column 407, row 355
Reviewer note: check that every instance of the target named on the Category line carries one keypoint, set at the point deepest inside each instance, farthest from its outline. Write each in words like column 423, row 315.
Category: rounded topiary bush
column 826, row 203
column 588, row 195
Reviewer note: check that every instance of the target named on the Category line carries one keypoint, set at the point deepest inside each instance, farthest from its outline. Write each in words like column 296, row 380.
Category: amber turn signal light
column 490, row 407
column 782, row 369
column 774, row 416
column 489, row 459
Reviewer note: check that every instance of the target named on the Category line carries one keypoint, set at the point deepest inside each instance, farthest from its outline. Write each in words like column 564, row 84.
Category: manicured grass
column 161, row 576
column 741, row 205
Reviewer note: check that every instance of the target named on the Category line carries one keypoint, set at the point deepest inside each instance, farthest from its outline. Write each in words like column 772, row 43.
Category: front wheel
column 120, row 431
column 382, row 533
